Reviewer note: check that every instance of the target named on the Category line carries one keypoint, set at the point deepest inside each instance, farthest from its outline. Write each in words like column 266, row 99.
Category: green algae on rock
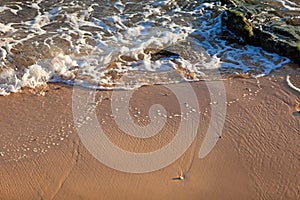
column 258, row 23
column 236, row 21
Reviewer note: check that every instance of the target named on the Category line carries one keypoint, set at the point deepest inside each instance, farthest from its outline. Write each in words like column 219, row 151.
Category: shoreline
column 256, row 157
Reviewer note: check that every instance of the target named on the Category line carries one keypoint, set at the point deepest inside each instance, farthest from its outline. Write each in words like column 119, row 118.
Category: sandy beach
column 162, row 100
column 257, row 156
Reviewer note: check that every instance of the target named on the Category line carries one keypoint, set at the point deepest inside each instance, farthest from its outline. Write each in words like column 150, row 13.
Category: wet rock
column 259, row 24
column 163, row 54
column 237, row 22
column 228, row 2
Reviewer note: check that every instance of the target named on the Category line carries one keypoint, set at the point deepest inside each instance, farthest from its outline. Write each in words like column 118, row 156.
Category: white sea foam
column 77, row 43
column 291, row 84
column 289, row 5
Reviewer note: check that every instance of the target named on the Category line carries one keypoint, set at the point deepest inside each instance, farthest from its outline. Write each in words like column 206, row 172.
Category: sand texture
column 257, row 156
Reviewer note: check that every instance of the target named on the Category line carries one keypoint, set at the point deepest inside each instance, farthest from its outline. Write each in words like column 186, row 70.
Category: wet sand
column 257, row 157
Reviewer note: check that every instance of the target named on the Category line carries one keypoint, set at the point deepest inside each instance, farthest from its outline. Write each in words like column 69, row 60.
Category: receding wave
column 120, row 44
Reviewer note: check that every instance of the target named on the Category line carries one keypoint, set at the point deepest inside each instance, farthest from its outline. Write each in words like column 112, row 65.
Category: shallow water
column 118, row 44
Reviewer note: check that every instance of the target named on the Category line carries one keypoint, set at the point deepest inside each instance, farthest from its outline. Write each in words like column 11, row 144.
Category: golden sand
column 257, row 157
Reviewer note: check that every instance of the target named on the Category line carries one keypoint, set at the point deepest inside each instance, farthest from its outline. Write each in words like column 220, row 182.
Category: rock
column 228, row 2
column 254, row 23
column 236, row 22
column 163, row 54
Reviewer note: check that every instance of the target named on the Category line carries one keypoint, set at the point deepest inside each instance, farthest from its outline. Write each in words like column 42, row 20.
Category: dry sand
column 258, row 156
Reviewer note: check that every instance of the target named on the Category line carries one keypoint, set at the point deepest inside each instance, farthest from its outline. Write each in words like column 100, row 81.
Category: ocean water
column 121, row 44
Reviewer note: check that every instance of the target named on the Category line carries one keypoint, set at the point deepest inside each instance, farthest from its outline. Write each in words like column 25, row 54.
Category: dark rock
column 163, row 54
column 236, row 22
column 267, row 30
column 228, row 2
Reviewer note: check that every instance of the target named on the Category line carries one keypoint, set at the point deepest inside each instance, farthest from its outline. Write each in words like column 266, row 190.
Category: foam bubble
column 34, row 76
column 111, row 44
